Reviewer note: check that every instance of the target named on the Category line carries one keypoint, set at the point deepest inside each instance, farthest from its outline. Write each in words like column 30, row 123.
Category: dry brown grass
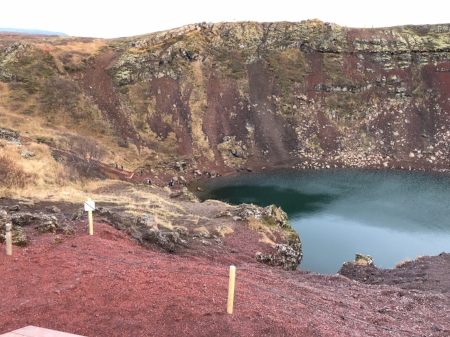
column 49, row 183
column 401, row 264
column 223, row 230
column 267, row 234
column 267, row 240
column 202, row 231
column 41, row 176
column 11, row 175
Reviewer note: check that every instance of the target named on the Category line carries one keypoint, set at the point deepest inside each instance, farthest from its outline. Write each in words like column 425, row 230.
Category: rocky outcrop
column 18, row 234
column 286, row 255
column 42, row 222
column 27, row 154
column 424, row 273
column 166, row 240
column 11, row 136
column 144, row 228
column 19, row 237
column 270, row 215
column 184, row 194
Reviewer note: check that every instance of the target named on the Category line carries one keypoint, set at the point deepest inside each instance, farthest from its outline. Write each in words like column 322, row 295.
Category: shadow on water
column 293, row 202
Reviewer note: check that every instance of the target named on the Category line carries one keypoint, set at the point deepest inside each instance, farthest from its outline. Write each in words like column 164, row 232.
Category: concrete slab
column 34, row 331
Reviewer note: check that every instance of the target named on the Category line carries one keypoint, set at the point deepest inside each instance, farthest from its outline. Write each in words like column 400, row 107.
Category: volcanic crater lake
column 390, row 215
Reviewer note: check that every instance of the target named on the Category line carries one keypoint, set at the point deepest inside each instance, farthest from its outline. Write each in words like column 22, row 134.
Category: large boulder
column 184, row 194
column 270, row 215
column 123, row 221
column 9, row 135
column 19, row 237
column 4, row 218
column 144, row 228
column 287, row 255
column 166, row 240
column 42, row 222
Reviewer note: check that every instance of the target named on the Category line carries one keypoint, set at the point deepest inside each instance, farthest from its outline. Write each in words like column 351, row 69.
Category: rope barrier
column 315, row 307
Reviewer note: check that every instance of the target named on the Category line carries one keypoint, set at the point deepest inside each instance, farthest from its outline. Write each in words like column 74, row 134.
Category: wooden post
column 231, row 289
column 8, row 239
column 91, row 223
column 89, row 206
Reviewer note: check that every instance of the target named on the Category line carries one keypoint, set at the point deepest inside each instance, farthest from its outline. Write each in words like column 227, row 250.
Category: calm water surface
column 392, row 216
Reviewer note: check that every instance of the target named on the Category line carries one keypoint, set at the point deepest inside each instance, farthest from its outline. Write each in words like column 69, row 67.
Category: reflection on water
column 389, row 215
column 294, row 202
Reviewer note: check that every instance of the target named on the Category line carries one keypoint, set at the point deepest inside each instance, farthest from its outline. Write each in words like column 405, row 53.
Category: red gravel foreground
column 108, row 285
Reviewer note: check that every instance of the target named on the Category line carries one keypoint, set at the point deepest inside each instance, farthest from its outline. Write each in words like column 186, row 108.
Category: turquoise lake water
column 390, row 215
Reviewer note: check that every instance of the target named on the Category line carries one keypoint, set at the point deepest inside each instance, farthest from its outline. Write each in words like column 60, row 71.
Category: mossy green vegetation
column 344, row 104
column 289, row 67
column 333, row 68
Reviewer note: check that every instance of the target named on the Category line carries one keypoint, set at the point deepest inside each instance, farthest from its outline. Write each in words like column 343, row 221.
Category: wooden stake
column 231, row 289
column 8, row 239
column 91, row 221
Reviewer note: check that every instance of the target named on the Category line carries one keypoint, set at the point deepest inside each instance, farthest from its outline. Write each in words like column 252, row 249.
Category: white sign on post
column 89, row 205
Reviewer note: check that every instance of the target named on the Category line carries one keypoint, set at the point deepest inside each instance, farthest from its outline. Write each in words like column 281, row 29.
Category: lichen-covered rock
column 9, row 135
column 14, row 208
column 67, row 229
column 4, row 218
column 44, row 223
column 27, row 154
column 146, row 221
column 184, row 194
column 183, row 231
column 363, row 260
column 287, row 255
column 166, row 240
column 363, row 268
column 54, row 209
column 144, row 228
column 224, row 214
column 48, row 224
column 18, row 234
column 271, row 215
column 24, row 219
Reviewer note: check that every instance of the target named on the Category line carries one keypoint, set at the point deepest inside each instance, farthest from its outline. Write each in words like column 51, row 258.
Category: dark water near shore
column 390, row 215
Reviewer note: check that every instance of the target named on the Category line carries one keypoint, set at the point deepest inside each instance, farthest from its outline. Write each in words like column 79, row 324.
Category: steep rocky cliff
column 230, row 96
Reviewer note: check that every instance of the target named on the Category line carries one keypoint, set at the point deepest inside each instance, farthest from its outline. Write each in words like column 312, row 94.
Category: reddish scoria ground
column 109, row 285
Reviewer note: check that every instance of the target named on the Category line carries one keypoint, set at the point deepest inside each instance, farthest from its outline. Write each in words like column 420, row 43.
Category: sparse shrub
column 79, row 170
column 87, row 148
column 11, row 175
